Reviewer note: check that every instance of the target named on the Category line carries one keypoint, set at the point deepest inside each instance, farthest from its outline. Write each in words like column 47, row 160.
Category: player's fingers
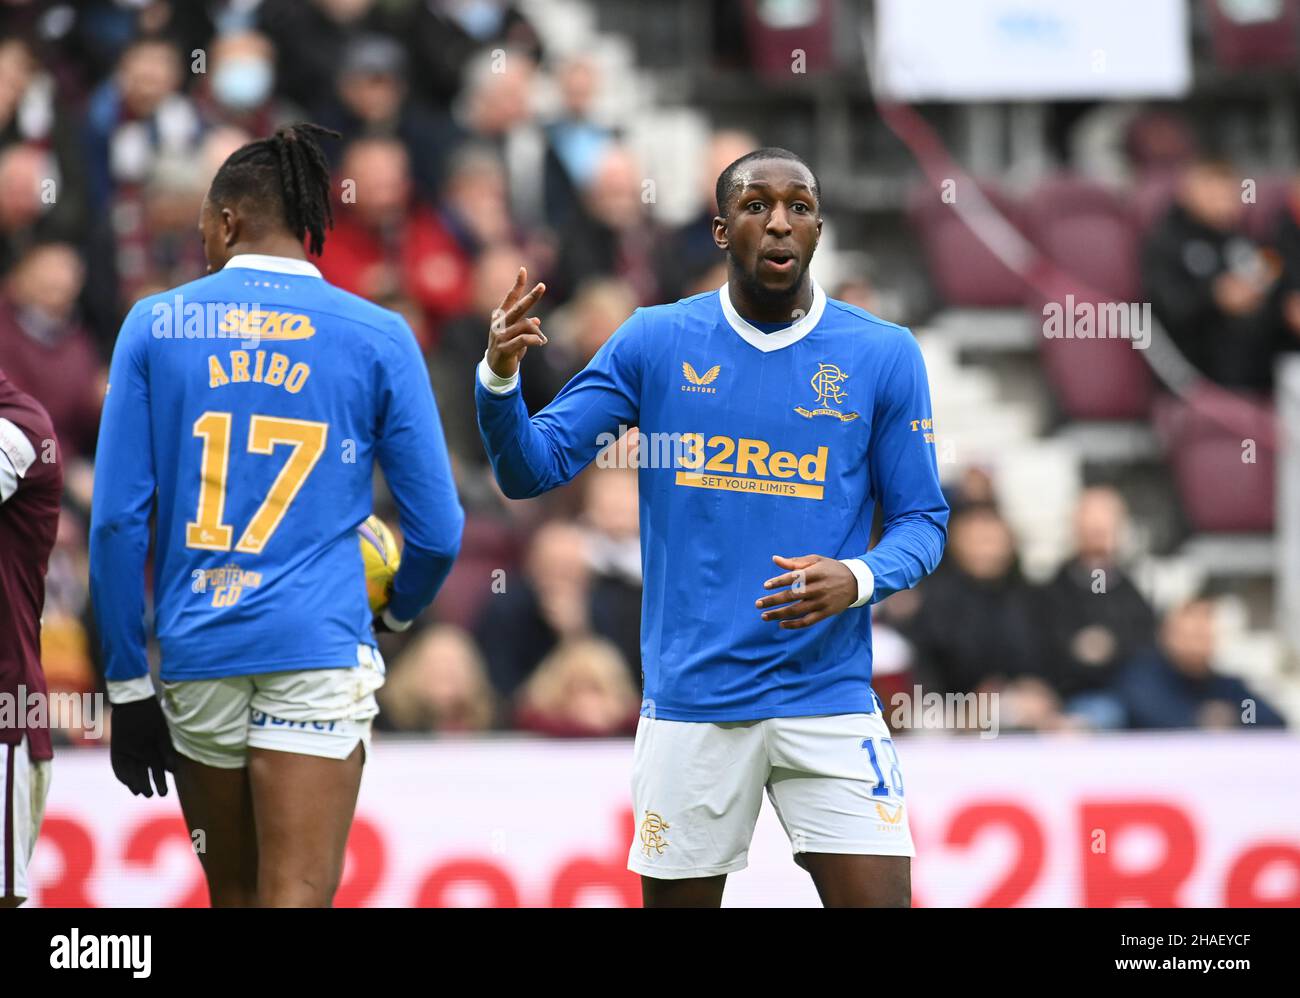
column 796, row 608
column 530, row 325
column 521, row 307
column 799, row 561
column 781, row 580
column 520, row 342
column 777, row 599
column 127, row 775
column 160, row 778
column 513, row 294
column 496, row 325
column 805, row 621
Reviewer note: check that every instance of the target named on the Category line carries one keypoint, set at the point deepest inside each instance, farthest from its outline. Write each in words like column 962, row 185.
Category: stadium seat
column 776, row 31
column 1092, row 379
column 1088, row 232
column 1220, row 491
column 487, row 546
column 964, row 269
column 1244, row 40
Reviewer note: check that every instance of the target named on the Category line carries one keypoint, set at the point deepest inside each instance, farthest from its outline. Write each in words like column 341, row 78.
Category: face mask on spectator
column 242, row 84
column 479, row 19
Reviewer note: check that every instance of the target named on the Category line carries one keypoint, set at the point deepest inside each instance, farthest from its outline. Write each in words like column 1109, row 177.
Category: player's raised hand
column 513, row 330
column 819, row 587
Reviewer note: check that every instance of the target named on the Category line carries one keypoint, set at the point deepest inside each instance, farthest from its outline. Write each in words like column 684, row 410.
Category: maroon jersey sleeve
column 29, row 522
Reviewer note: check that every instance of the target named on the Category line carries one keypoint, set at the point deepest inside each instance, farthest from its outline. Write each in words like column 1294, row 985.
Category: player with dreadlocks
column 244, row 415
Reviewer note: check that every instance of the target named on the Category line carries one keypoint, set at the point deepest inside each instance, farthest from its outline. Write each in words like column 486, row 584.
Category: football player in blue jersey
column 786, row 418
column 244, row 415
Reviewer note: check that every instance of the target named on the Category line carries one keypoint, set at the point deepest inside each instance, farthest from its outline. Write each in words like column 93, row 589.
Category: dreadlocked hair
column 284, row 174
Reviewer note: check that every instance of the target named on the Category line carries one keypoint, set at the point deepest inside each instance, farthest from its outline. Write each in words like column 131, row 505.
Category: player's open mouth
column 779, row 260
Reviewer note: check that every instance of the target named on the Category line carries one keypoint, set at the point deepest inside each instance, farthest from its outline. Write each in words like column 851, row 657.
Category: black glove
column 141, row 745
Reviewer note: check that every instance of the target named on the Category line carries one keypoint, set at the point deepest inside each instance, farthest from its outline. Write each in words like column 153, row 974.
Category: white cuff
column 392, row 623
column 866, row 581
column 493, row 382
column 130, row 690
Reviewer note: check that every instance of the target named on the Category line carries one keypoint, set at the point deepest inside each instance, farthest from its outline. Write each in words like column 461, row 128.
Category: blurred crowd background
column 1112, row 554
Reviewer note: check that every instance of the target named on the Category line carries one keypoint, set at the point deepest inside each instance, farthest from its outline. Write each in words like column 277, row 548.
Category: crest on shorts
column 652, row 833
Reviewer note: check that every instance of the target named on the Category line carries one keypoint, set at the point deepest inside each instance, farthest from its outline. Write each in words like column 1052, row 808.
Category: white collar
column 275, row 264
column 767, row 342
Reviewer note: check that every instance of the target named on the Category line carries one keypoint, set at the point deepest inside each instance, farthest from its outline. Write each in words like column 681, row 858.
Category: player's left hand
column 820, row 587
column 141, row 747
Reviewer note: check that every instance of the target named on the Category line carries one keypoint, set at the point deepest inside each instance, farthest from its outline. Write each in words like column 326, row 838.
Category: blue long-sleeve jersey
column 753, row 444
column 245, row 413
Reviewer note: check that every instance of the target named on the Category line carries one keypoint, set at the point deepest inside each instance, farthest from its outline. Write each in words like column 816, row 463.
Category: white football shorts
column 322, row 712
column 697, row 788
column 24, row 785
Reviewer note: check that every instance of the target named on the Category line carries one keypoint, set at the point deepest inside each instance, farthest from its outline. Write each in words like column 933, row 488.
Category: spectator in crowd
column 371, row 97
column 459, row 348
column 24, row 170
column 133, row 117
column 1208, row 285
column 496, row 107
column 162, row 253
column 612, row 234
column 438, row 683
column 310, row 37
column 153, row 246
column 550, row 603
column 974, row 629
column 387, row 244
column 693, row 262
column 575, row 140
column 32, row 118
column 581, row 689
column 445, row 35
column 611, row 515
column 1093, row 618
column 46, row 351
column 472, row 215
column 1175, row 684
column 238, row 89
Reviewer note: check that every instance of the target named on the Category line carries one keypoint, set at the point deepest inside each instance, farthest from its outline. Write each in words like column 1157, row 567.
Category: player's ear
column 230, row 226
column 720, row 238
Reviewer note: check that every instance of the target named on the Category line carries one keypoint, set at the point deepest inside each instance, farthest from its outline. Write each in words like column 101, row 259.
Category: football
column 381, row 556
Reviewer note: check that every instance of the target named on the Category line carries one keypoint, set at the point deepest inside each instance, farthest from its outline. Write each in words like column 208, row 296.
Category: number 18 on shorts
column 697, row 787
